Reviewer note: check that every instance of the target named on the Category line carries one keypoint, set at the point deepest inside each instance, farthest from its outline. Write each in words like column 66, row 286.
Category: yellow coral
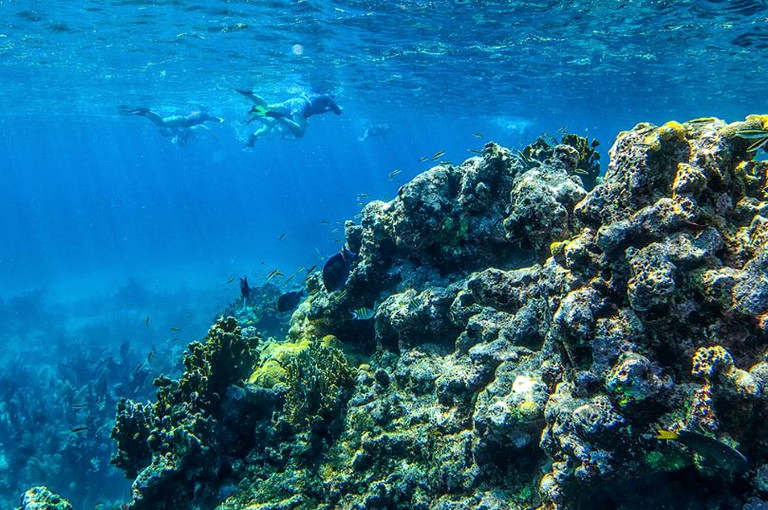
column 268, row 375
column 529, row 409
column 276, row 355
column 671, row 130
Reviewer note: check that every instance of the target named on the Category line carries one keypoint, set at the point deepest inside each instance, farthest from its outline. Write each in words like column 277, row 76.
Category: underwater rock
column 528, row 337
column 40, row 498
column 195, row 428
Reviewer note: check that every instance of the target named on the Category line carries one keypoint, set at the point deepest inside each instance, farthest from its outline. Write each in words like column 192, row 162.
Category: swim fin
column 128, row 110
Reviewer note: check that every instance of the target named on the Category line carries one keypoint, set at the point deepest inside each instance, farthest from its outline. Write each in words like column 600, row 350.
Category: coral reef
column 197, row 425
column 530, row 337
column 40, row 498
column 56, row 414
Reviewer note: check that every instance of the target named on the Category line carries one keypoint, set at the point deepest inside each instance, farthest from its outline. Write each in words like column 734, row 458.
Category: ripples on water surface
column 442, row 55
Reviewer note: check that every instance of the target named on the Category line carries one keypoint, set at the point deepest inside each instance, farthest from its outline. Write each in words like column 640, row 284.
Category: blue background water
column 104, row 223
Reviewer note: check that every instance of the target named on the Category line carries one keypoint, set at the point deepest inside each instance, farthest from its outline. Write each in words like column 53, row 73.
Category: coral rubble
column 529, row 338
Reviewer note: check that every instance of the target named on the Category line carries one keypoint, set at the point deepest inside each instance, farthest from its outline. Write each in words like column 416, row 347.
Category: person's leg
column 297, row 125
column 266, row 127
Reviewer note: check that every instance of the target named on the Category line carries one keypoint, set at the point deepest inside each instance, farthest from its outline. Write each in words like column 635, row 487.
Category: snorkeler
column 290, row 116
column 374, row 131
column 179, row 128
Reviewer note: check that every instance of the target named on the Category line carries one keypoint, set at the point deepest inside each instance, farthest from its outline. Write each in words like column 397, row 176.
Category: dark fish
column 309, row 271
column 79, row 405
column 273, row 274
column 714, row 452
column 336, row 270
column 475, row 151
column 289, row 300
column 146, row 321
column 245, row 289
column 80, row 428
column 437, row 155
column 477, row 135
column 150, row 356
column 282, row 236
column 231, row 280
column 394, row 173
column 175, row 328
column 423, row 159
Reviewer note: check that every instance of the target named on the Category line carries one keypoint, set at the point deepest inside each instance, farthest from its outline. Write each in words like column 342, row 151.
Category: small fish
column 79, row 405
column 751, row 134
column 702, row 120
column 363, row 314
column 282, row 236
column 715, row 452
column 394, row 173
column 423, row 159
column 150, row 356
column 414, row 304
column 309, row 271
column 562, row 130
column 146, row 321
column 477, row 135
column 324, row 222
column 139, row 367
column 231, row 280
column 175, row 328
column 335, row 230
column 475, row 151
column 362, row 196
column 288, row 280
column 79, row 428
column 437, row 155
column 274, row 274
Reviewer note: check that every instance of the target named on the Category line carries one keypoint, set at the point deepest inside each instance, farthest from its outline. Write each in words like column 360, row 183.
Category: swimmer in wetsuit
column 179, row 128
column 289, row 116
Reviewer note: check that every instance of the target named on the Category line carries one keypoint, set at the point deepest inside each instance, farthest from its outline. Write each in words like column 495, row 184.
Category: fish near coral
column 245, row 289
column 336, row 270
column 714, row 452
column 289, row 300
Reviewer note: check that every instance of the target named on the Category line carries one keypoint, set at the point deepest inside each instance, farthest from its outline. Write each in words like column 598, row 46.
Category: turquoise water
column 112, row 235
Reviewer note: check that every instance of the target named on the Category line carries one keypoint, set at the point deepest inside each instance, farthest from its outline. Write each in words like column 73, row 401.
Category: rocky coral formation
column 198, row 424
column 529, row 339
column 40, row 498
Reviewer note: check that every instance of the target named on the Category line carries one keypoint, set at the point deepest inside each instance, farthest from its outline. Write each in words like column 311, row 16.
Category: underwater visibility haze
column 383, row 254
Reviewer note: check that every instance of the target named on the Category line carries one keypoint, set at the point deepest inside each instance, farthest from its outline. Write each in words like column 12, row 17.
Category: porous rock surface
column 531, row 336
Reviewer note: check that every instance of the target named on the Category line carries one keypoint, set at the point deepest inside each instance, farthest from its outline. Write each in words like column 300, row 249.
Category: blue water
column 111, row 234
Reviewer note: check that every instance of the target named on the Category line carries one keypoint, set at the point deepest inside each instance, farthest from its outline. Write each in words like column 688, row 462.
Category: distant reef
column 530, row 338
